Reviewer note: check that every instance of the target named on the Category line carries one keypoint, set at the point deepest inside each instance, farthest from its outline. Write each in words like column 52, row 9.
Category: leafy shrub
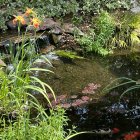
column 97, row 5
column 57, row 7
column 98, row 39
column 126, row 35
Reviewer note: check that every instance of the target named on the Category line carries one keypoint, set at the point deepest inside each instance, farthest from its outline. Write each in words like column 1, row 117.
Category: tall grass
column 17, row 103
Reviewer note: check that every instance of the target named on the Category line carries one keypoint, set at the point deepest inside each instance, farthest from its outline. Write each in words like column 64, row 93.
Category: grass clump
column 22, row 117
column 17, row 104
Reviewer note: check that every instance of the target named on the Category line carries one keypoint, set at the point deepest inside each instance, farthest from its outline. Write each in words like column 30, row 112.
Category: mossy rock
column 68, row 54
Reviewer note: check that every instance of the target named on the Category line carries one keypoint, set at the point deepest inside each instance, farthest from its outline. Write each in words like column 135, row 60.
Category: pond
column 102, row 112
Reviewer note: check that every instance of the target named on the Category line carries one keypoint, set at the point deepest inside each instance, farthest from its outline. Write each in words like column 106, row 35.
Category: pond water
column 103, row 111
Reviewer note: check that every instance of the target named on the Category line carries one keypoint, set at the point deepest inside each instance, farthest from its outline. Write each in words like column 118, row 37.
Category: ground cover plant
column 57, row 8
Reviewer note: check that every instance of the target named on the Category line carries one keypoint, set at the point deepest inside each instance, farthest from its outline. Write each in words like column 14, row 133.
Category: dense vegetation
column 58, row 7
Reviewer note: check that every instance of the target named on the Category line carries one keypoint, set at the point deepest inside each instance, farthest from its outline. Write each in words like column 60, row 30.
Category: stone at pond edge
column 48, row 24
column 2, row 64
column 57, row 39
column 71, row 29
column 47, row 49
column 10, row 25
column 56, row 30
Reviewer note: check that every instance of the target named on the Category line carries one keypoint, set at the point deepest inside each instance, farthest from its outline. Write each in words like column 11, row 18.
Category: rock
column 30, row 28
column 5, row 43
column 64, row 41
column 71, row 29
column 49, row 24
column 52, row 56
column 47, row 49
column 135, row 6
column 58, row 39
column 135, row 9
column 2, row 64
column 56, row 30
column 10, row 67
column 10, row 25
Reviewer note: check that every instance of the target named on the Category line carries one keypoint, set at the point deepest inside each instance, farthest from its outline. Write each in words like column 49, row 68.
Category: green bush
column 98, row 38
column 57, row 7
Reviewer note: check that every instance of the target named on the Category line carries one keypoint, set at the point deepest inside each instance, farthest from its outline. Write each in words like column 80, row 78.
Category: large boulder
column 72, row 29
column 48, row 24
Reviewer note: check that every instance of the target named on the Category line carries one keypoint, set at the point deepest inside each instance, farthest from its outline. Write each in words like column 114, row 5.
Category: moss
column 68, row 54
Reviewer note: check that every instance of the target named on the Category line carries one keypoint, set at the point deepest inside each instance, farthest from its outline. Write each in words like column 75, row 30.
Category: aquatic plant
column 67, row 102
column 90, row 88
column 17, row 103
column 120, row 82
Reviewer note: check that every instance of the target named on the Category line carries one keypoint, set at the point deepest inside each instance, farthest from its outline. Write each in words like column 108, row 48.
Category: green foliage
column 113, row 4
column 123, row 81
column 47, row 127
column 68, row 54
column 97, row 5
column 17, row 102
column 57, row 7
column 98, row 39
column 127, row 34
column 16, row 99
